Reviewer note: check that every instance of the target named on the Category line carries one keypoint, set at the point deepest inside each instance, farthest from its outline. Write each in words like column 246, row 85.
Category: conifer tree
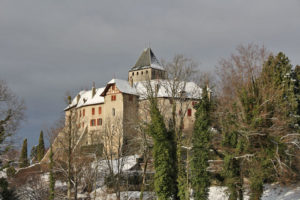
column 51, row 176
column 41, row 147
column 23, row 161
column 164, row 154
column 200, row 150
column 33, row 154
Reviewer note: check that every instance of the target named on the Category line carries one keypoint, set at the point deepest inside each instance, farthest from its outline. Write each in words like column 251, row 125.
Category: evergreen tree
column 5, row 192
column 200, row 178
column 233, row 180
column 51, row 176
column 33, row 154
column 255, row 128
column 23, row 161
column 41, row 147
column 163, row 153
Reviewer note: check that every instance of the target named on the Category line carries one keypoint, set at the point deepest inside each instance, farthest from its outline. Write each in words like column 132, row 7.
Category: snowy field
column 271, row 192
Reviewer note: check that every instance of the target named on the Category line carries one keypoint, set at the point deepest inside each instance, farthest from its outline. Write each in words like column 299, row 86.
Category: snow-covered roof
column 85, row 98
column 147, row 60
column 122, row 85
column 191, row 89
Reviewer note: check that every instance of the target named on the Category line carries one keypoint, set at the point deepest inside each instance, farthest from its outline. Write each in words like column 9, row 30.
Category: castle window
column 142, row 73
column 132, row 73
column 93, row 122
column 83, row 113
column 113, row 112
column 99, row 122
column 93, row 111
column 113, row 97
column 146, row 71
column 137, row 73
column 99, row 110
column 189, row 112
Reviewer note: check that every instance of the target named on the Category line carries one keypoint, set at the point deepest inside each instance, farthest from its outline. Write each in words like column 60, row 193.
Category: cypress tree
column 163, row 153
column 51, row 176
column 33, row 154
column 41, row 147
column 23, row 161
column 200, row 150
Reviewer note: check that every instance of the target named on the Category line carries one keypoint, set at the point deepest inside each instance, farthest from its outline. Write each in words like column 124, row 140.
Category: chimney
column 93, row 90
column 78, row 97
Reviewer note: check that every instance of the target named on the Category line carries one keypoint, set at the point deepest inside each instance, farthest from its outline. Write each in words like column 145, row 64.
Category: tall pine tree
column 164, row 153
column 23, row 161
column 41, row 147
column 200, row 177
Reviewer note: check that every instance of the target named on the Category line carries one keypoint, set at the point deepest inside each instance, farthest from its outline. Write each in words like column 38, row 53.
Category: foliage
column 200, row 177
column 10, row 171
column 233, row 181
column 164, row 154
column 23, row 161
column 41, row 147
column 259, row 124
column 33, row 154
column 5, row 192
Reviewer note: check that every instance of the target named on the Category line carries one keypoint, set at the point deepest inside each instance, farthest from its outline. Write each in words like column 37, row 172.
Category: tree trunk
column 144, row 177
column 69, row 157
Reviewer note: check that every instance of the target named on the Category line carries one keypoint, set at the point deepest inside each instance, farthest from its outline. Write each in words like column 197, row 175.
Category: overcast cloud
column 50, row 47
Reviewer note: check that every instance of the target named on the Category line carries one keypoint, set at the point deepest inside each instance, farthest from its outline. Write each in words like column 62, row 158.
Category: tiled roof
column 147, row 60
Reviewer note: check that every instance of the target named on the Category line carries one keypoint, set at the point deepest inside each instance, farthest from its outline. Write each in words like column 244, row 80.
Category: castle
column 126, row 100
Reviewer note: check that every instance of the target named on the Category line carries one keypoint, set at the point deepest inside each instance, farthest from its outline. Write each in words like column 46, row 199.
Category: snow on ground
column 3, row 174
column 128, row 195
column 128, row 163
column 271, row 192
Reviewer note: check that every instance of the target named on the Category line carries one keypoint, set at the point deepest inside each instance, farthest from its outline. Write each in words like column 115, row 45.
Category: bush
column 11, row 171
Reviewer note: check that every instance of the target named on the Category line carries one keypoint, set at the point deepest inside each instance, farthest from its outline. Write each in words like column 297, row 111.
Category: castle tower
column 147, row 67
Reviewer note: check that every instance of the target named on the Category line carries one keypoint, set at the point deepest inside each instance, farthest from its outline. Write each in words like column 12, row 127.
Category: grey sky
column 49, row 47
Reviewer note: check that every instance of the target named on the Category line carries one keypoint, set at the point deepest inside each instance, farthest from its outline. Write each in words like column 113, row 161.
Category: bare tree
column 11, row 114
column 35, row 188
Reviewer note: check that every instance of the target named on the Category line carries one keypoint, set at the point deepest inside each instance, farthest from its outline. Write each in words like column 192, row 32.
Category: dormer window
column 113, row 87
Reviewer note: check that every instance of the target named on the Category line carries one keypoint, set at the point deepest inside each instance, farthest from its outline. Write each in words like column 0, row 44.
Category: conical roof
column 146, row 60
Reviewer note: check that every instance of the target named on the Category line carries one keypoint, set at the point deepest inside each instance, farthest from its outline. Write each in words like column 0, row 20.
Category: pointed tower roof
column 146, row 60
